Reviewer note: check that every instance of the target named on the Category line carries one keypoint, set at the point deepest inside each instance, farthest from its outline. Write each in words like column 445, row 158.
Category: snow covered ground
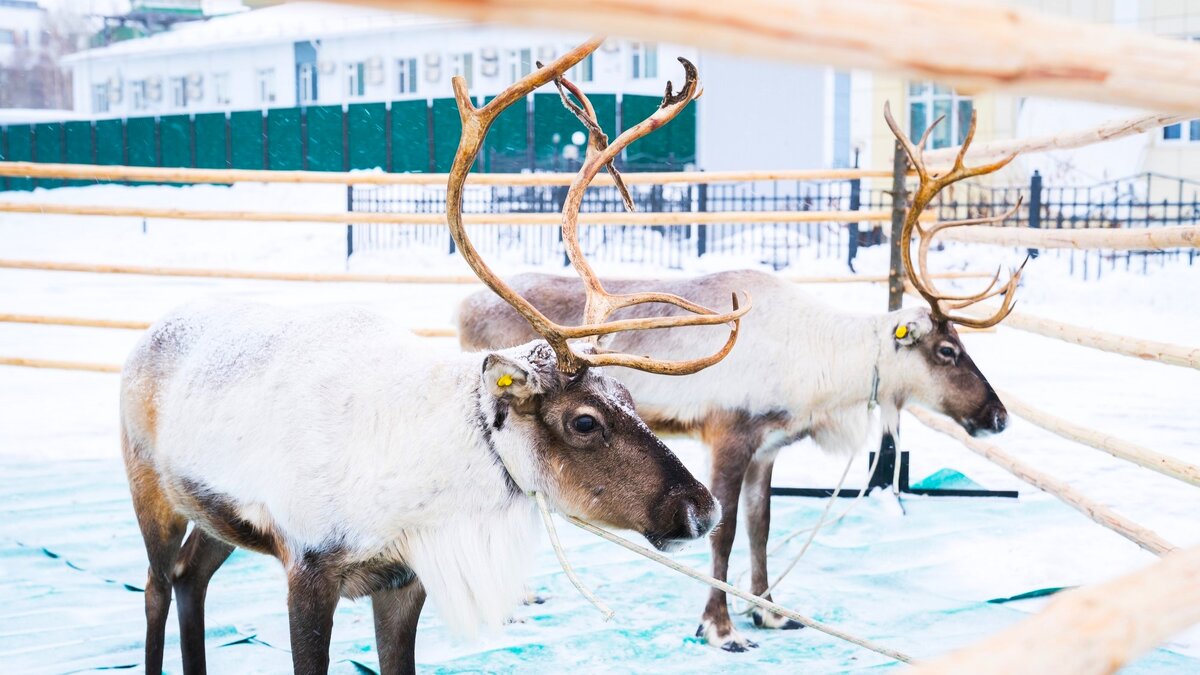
column 914, row 574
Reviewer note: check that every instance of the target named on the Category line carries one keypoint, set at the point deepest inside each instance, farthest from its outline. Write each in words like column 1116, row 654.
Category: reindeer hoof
column 731, row 642
column 774, row 621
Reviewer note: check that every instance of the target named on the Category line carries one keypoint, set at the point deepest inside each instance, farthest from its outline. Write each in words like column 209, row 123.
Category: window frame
column 406, row 73
column 264, row 79
column 463, row 63
column 355, row 79
column 929, row 96
column 643, row 60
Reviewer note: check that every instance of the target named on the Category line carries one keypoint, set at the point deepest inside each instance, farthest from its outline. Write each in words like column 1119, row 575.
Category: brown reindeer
column 368, row 465
column 802, row 369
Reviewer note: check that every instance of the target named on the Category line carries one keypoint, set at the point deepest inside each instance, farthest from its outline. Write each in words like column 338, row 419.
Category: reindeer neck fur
column 341, row 436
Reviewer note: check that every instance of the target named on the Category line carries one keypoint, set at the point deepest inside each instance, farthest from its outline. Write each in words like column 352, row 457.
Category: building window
column 356, row 84
column 520, row 63
column 406, row 76
column 306, row 83
column 139, row 98
column 100, row 98
column 220, row 83
column 643, row 60
column 928, row 101
column 179, row 92
column 462, row 64
column 8, row 36
column 1188, row 132
column 582, row 71
column 264, row 79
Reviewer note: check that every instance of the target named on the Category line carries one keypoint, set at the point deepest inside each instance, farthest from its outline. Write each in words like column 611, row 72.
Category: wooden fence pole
column 1143, row 537
column 1121, row 449
column 1092, row 630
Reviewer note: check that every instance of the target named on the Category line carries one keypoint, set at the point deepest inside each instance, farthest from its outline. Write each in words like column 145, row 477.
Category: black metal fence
column 1146, row 200
column 1140, row 201
column 774, row 244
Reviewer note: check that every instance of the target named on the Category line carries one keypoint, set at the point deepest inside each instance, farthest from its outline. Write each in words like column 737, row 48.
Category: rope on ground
column 1143, row 537
column 1119, row 448
column 737, row 592
column 548, row 521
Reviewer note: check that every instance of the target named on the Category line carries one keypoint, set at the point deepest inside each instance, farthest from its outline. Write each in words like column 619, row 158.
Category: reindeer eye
column 947, row 352
column 584, row 424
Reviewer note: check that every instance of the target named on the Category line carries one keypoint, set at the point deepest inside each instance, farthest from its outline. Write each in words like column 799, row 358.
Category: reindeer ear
column 508, row 378
column 909, row 330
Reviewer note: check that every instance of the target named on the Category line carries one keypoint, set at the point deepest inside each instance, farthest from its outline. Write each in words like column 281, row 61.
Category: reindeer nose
column 999, row 419
column 698, row 516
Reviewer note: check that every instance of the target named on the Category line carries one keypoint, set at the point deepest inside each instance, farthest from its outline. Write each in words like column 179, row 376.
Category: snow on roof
column 289, row 22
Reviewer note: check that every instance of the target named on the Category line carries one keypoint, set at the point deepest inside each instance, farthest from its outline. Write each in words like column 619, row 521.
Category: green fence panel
column 507, row 146
column 139, row 136
column 175, row 139
column 110, row 142
column 246, row 136
column 650, row 150
column 554, row 128
column 446, row 130
column 79, row 147
column 410, row 136
column 210, row 141
column 368, row 136
column 283, row 139
column 325, row 151
column 21, row 149
column 674, row 144
column 48, row 148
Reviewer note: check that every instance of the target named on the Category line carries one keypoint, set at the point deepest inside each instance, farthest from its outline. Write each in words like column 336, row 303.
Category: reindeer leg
column 758, row 524
column 731, row 454
column 396, row 613
column 201, row 557
column 313, row 592
column 162, row 530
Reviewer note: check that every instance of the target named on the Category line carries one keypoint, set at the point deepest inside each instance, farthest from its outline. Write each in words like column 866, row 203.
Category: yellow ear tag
column 901, row 331
column 504, row 381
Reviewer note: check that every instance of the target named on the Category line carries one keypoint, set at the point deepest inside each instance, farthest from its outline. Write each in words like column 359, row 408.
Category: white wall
column 26, row 26
column 760, row 114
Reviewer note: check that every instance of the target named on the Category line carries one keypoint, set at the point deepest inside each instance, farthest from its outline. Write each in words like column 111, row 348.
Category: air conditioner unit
column 326, row 67
column 114, row 89
column 433, row 74
column 546, row 53
column 489, row 54
column 154, row 88
column 489, row 68
column 433, row 60
column 610, row 47
column 195, row 88
column 195, row 79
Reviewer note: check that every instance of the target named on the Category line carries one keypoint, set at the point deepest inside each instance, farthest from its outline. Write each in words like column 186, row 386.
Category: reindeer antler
column 600, row 304
column 928, row 187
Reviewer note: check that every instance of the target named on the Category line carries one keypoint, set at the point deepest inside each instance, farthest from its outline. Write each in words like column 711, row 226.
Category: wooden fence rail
column 1133, row 239
column 358, row 217
column 971, row 47
column 87, row 322
column 350, row 277
column 60, row 365
column 1093, row 630
column 154, row 174
column 1119, row 448
column 1147, row 350
column 1101, row 514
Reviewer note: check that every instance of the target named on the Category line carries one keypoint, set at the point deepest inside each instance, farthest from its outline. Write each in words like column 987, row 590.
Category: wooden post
column 899, row 209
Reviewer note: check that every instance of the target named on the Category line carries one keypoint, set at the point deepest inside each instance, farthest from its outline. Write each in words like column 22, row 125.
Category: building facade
column 317, row 54
column 1172, row 151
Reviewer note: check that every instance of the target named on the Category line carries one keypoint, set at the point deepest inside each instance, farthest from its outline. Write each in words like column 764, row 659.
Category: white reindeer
column 803, row 369
column 369, row 464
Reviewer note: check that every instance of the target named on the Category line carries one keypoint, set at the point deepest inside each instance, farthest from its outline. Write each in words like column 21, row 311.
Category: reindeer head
column 576, row 438
column 934, row 370
column 576, row 429
column 938, row 372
